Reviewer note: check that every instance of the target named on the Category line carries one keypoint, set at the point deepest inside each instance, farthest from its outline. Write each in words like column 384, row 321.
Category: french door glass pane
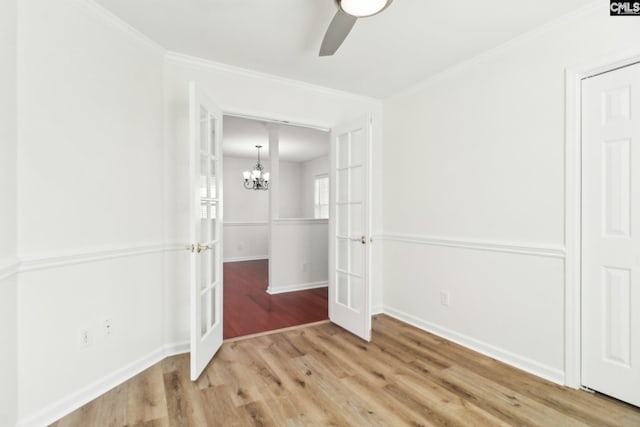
column 342, row 220
column 204, row 271
column 343, row 289
column 356, row 220
column 355, row 184
column 343, row 254
column 355, row 266
column 203, row 176
column 214, row 313
column 203, row 312
column 213, row 261
column 342, row 185
column 343, row 151
column 212, row 181
column 204, row 131
column 357, row 147
column 204, row 222
column 213, row 135
column 355, row 301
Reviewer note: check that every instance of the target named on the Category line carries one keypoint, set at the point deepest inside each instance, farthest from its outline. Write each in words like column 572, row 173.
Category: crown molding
column 119, row 24
column 197, row 62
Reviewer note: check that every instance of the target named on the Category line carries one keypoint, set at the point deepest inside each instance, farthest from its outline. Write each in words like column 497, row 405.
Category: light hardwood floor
column 322, row 375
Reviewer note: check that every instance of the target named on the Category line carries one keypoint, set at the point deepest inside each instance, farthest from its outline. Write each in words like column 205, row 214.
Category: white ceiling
column 411, row 40
column 296, row 144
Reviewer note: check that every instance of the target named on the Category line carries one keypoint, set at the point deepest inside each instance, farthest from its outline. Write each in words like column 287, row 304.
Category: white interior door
column 349, row 289
column 611, row 233
column 205, row 121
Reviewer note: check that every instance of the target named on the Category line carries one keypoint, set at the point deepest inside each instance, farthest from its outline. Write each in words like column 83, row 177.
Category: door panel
column 610, row 237
column 206, row 210
column 349, row 289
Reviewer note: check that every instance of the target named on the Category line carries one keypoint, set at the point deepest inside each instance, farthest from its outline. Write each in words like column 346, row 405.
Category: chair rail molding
column 521, row 248
column 36, row 262
column 300, row 221
column 245, row 223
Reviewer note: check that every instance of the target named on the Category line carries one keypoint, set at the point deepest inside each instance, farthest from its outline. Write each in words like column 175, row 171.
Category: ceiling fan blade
column 340, row 26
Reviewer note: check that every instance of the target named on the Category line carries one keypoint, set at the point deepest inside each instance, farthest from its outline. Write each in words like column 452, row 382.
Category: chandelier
column 256, row 179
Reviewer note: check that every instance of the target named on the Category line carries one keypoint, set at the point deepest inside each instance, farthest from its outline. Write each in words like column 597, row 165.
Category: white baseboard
column 246, row 258
column 86, row 394
column 274, row 290
column 527, row 365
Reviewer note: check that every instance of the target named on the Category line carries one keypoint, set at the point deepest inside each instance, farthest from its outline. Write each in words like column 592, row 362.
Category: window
column 321, row 196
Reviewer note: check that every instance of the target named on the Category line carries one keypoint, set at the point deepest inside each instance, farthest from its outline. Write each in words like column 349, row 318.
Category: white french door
column 611, row 233
column 205, row 129
column 349, row 289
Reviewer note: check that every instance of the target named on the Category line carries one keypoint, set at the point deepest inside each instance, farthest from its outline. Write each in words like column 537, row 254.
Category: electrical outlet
column 444, row 299
column 85, row 338
column 107, row 326
column 303, row 267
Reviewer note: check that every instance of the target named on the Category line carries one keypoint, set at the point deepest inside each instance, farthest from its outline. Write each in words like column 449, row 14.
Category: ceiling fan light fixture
column 362, row 8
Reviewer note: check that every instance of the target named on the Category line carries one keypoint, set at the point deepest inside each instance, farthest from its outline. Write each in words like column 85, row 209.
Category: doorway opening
column 275, row 248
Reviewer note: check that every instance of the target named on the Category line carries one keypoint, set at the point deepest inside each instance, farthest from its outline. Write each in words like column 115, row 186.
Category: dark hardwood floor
column 248, row 309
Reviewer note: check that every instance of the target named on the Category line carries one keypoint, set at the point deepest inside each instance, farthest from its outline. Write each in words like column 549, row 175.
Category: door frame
column 573, row 204
column 263, row 117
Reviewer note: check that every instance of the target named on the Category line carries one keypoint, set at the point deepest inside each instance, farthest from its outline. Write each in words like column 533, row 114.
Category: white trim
column 121, row 25
column 9, row 267
column 246, row 258
column 245, row 223
column 86, row 394
column 274, row 290
column 483, row 245
column 536, row 368
column 40, row 262
column 594, row 7
column 300, row 221
column 176, row 348
column 271, row 120
column 573, row 206
column 207, row 63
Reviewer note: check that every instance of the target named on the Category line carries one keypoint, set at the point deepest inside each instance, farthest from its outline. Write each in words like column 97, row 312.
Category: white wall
column 290, row 190
column 310, row 170
column 299, row 255
column 246, row 214
column 251, row 94
column 8, row 218
column 475, row 157
column 90, row 192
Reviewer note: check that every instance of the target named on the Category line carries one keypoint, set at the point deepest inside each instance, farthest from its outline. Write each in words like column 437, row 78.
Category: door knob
column 198, row 248
column 202, row 248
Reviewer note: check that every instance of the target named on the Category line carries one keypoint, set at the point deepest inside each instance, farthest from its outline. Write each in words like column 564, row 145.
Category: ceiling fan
column 348, row 13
